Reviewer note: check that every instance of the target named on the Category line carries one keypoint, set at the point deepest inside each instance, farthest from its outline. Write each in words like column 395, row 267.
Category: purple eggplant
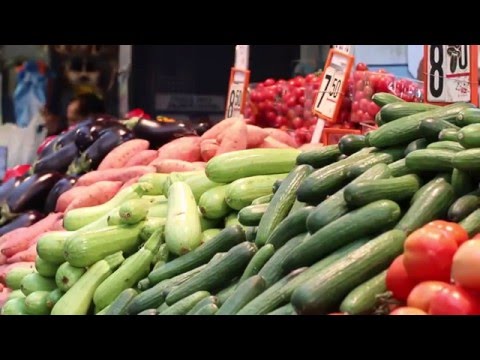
column 158, row 133
column 31, row 193
column 58, row 189
column 57, row 161
column 23, row 220
column 7, row 187
column 202, row 127
column 65, row 139
column 85, row 135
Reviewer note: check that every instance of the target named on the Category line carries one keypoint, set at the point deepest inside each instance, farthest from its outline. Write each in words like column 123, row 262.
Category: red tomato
column 361, row 67
column 373, row 79
column 358, row 75
column 422, row 294
column 398, row 281
column 271, row 117
column 355, row 106
column 297, row 122
column 270, row 94
column 309, row 78
column 407, row 311
column 291, row 101
column 466, row 265
column 281, row 82
column 382, row 85
column 301, row 100
column 364, row 103
column 298, row 110
column 298, row 81
column 299, row 92
column 359, row 85
column 280, row 121
column 269, row 82
column 367, row 117
column 359, row 95
column 476, row 237
column 382, row 71
column 453, row 300
column 452, row 229
column 357, row 116
column 373, row 108
column 308, row 104
column 368, row 91
column 429, row 254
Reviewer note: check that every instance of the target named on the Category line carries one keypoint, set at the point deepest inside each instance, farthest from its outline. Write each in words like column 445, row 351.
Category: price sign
column 237, row 93
column 345, row 48
column 451, row 73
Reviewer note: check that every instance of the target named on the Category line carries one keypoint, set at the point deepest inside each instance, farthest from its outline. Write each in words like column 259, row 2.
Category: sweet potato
column 186, row 149
column 96, row 194
column 200, row 164
column 256, row 135
column 167, row 166
column 118, row 157
column 4, row 296
column 130, row 182
column 208, row 149
column 270, row 142
column 144, row 157
column 234, row 138
column 67, row 197
column 281, row 136
column 58, row 226
column 20, row 239
column 218, row 128
column 4, row 269
column 122, row 175
column 28, row 255
column 306, row 147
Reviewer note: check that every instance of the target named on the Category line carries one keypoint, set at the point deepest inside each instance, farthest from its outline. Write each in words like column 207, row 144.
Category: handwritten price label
column 237, row 91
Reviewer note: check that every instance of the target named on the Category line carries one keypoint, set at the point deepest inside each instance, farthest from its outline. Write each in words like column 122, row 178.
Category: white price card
column 345, row 48
column 242, row 54
column 451, row 73
column 237, row 93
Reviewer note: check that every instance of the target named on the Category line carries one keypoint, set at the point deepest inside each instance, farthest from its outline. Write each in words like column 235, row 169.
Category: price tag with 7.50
column 237, row 91
column 451, row 73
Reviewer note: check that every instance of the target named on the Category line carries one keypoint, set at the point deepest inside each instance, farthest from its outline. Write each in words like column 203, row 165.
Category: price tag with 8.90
column 235, row 99
column 329, row 94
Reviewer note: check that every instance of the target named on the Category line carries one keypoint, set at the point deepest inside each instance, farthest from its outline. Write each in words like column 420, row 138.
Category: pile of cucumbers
column 264, row 231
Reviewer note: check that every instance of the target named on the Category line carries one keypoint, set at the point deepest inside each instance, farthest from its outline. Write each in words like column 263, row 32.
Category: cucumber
column 399, row 168
column 350, row 144
column 284, row 310
column 262, row 199
column 370, row 219
column 102, row 312
column 280, row 293
column 427, row 186
column 85, row 249
column 232, row 220
column 50, row 246
column 326, row 289
column 297, row 205
column 210, row 300
column 36, row 282
column 149, row 312
column 210, row 309
column 383, row 157
column 430, row 160
column 157, row 181
column 281, row 203
column 144, row 284
column 212, row 203
column 432, row 204
column 395, row 189
column 209, row 234
column 258, row 261
column 15, row 294
column 242, row 192
column 319, row 157
column 14, row 277
column 244, row 293
column 276, row 185
column 397, row 110
column 129, row 273
column 36, row 303
column 67, row 275
column 155, row 296
column 468, row 160
column 468, row 136
column 363, row 299
column 462, row 183
column 251, row 215
column 225, row 293
column 418, row 144
column 53, row 297
column 274, row 269
column 206, row 224
column 407, row 129
column 77, row 218
column 335, row 206
column 14, row 307
column 431, row 128
column 446, row 145
column 199, row 184
column 162, row 308
column 78, row 299
column 150, row 226
column 448, row 135
column 472, row 223
column 293, row 225
column 133, row 211
column 224, row 241
column 183, row 306
column 45, row 268
column 462, row 207
column 378, row 119
column 468, row 116
column 382, row 99
column 247, row 163
column 217, row 274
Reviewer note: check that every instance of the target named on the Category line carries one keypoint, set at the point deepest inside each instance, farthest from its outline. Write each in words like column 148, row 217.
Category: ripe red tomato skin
column 361, row 67
column 398, row 281
column 452, row 229
column 407, row 311
column 466, row 265
column 453, row 300
column 422, row 294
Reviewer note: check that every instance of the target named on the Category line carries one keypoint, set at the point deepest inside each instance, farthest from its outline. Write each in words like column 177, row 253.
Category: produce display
column 237, row 221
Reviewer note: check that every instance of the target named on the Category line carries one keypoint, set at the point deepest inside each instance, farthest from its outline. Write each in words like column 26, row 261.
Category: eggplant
column 57, row 161
column 202, row 127
column 23, row 220
column 58, row 189
column 8, row 186
column 49, row 149
column 158, row 133
column 31, row 193
column 65, row 139
column 86, row 134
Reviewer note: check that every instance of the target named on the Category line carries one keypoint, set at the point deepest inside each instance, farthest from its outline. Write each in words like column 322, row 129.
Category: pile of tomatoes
column 439, row 272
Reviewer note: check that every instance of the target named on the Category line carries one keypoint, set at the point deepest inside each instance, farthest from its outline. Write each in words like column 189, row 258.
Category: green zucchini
column 53, row 297
column 36, row 303
column 284, row 310
column 350, row 144
column 418, row 144
column 14, row 277
column 462, row 207
column 462, row 183
column 469, row 136
column 157, row 181
column 212, row 203
column 363, row 299
column 243, row 294
column 472, row 223
column 133, row 211
column 200, row 184
column 209, row 300
column 281, row 203
column 14, row 307
column 67, row 275
column 150, row 226
column 262, row 199
column 209, row 309
column 448, row 135
column 381, row 99
column 183, row 306
column 431, row 128
column 206, row 224
column 397, row 110
column 468, row 116
column 432, row 204
column 50, row 246
column 45, row 268
column 251, row 215
column 217, row 274
column 446, row 145
column 158, row 211
column 319, row 157
column 16, row 294
column 430, row 160
column 261, row 257
column 293, row 225
column 209, row 234
column 36, row 282
column 325, row 291
column 399, row 168
column 468, row 160
column 370, row 219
